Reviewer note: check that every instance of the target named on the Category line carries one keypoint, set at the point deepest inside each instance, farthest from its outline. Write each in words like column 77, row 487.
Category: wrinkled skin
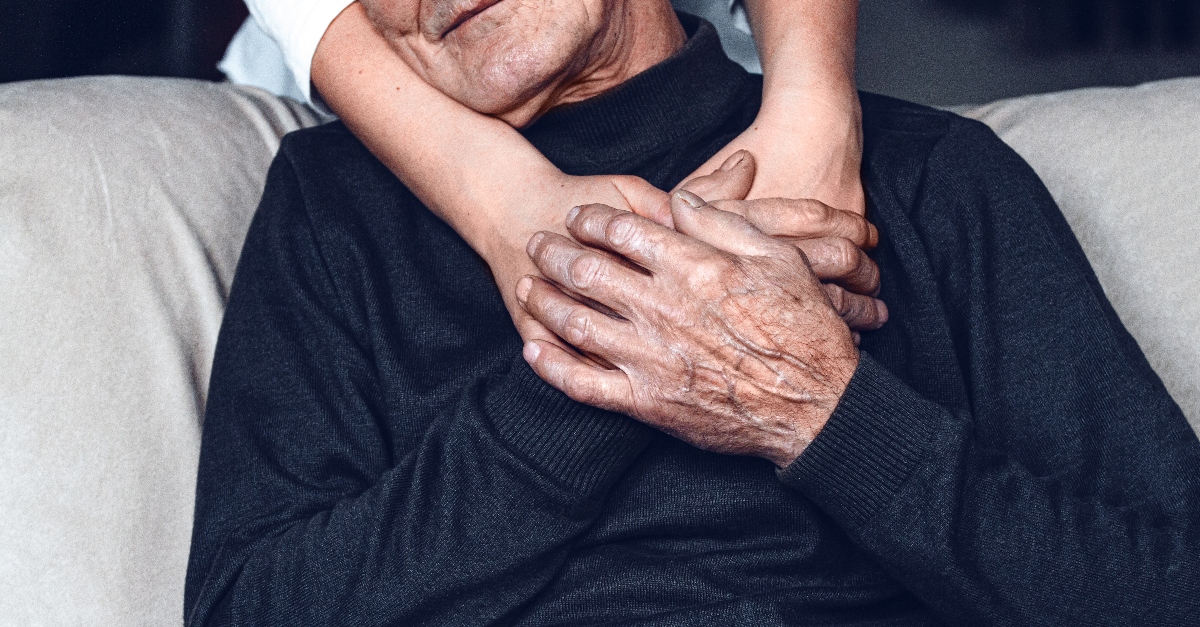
column 516, row 59
column 831, row 239
column 722, row 335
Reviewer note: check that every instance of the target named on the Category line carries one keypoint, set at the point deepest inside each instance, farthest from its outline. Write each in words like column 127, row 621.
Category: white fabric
column 296, row 26
column 123, row 205
column 255, row 60
column 1124, row 166
column 274, row 48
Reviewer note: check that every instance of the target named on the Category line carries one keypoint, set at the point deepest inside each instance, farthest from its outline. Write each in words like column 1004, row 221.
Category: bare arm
column 808, row 135
column 496, row 190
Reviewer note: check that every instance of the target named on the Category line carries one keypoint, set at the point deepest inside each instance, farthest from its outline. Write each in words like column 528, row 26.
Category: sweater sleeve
column 306, row 515
column 1064, row 487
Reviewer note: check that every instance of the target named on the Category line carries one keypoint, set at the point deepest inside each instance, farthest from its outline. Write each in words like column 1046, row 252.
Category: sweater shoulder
column 340, row 183
column 907, row 144
column 328, row 152
column 887, row 120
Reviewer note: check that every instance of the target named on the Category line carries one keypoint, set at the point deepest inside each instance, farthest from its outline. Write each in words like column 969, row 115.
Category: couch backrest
column 123, row 205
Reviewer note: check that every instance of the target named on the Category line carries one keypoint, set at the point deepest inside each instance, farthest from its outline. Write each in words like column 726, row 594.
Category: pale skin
column 477, row 173
column 741, row 348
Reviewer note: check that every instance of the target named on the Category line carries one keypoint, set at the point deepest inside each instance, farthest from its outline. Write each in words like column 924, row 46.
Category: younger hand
column 809, row 145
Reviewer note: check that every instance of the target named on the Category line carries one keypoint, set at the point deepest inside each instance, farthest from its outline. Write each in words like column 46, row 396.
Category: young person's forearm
column 445, row 153
column 808, row 133
column 805, row 44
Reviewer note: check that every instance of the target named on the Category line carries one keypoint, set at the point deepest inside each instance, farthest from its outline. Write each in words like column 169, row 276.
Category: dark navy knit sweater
column 376, row 452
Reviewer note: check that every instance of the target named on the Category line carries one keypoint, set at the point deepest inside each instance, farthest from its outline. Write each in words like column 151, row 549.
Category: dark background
column 55, row 38
column 933, row 51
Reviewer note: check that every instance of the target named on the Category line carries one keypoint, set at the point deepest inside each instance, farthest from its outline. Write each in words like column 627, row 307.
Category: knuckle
column 709, row 270
column 860, row 229
column 837, row 298
column 843, row 255
column 578, row 327
column 585, row 271
column 811, row 213
column 623, row 230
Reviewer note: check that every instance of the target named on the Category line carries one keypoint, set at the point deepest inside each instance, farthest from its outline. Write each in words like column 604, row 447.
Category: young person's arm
column 496, row 190
column 475, row 172
column 808, row 136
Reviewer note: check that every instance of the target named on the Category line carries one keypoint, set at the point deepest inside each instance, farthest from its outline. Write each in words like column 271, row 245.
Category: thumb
column 722, row 230
column 645, row 199
column 731, row 181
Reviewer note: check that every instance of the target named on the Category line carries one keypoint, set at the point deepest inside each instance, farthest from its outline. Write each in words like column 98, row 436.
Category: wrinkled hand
column 833, row 240
column 723, row 336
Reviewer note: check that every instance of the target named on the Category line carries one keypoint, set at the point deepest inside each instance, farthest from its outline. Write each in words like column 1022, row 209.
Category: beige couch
column 123, row 203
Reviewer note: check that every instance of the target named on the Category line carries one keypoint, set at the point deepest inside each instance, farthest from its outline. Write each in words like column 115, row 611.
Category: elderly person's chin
column 517, row 59
column 516, row 79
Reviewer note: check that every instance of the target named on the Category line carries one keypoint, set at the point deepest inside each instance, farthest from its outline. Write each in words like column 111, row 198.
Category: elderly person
column 481, row 177
column 377, row 450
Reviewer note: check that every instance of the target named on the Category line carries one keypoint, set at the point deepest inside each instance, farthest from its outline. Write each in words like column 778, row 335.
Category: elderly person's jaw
column 517, row 59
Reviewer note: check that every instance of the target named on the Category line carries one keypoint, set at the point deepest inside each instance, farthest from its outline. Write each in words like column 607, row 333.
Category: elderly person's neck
column 640, row 37
column 517, row 59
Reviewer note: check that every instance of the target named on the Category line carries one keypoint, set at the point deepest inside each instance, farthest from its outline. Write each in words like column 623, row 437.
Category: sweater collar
column 682, row 97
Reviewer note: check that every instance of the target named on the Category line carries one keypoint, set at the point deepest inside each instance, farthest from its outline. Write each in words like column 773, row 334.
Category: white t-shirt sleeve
column 297, row 27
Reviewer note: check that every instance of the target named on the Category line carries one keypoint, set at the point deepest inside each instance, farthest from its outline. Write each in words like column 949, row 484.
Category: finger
column 586, row 329
column 723, row 230
column 645, row 199
column 732, row 180
column 586, row 271
column 860, row 313
column 631, row 236
column 607, row 389
column 838, row 260
column 803, row 218
column 530, row 329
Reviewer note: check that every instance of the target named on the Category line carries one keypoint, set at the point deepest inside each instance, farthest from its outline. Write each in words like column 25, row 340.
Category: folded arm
column 317, row 505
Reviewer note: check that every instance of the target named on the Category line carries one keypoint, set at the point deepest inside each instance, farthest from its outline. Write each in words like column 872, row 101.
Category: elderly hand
column 722, row 335
column 833, row 240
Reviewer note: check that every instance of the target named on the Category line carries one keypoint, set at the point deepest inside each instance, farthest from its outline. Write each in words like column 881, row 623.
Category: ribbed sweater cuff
column 584, row 448
column 874, row 441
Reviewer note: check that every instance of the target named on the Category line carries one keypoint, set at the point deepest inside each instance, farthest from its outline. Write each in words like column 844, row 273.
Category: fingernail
column 531, row 351
column 573, row 213
column 691, row 199
column 523, row 287
column 734, row 160
column 534, row 241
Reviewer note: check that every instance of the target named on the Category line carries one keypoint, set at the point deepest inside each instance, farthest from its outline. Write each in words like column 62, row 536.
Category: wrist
column 808, row 419
column 838, row 104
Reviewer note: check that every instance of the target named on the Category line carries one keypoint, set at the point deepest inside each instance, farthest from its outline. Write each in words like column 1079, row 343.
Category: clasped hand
column 713, row 331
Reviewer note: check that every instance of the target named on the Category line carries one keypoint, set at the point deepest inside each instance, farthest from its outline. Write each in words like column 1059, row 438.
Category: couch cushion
column 123, row 205
column 1124, row 166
